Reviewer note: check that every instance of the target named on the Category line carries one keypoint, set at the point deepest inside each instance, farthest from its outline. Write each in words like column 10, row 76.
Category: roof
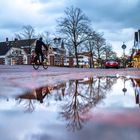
column 26, row 42
column 5, row 46
column 59, row 50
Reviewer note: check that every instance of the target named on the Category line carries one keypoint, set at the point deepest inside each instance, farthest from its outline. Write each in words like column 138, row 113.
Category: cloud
column 117, row 19
column 123, row 12
column 40, row 14
column 18, row 13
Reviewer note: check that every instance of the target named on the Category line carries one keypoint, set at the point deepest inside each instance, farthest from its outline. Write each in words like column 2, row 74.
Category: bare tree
column 74, row 26
column 46, row 36
column 99, row 48
column 95, row 45
column 89, row 46
column 27, row 33
column 109, row 53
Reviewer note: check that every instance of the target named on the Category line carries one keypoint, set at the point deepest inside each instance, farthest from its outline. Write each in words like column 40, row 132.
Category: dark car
column 112, row 64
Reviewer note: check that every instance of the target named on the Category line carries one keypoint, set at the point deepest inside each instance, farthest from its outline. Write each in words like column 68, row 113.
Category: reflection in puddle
column 87, row 104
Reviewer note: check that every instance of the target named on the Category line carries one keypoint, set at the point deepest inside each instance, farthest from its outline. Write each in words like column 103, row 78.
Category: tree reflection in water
column 82, row 96
column 78, row 97
column 28, row 105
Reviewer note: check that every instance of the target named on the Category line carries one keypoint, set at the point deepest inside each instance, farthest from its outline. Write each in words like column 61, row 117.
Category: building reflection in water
column 38, row 94
column 77, row 97
column 136, row 85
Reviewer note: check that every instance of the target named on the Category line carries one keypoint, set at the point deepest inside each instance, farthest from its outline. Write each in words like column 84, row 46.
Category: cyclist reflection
column 42, row 92
column 37, row 94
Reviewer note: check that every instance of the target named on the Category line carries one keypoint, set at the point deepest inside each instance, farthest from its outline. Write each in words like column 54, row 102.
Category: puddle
column 100, row 108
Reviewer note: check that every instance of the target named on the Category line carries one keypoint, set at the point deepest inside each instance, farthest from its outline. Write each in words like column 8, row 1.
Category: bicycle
column 37, row 63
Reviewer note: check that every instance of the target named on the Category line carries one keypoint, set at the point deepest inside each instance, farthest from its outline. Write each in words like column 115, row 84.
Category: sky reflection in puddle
column 108, row 105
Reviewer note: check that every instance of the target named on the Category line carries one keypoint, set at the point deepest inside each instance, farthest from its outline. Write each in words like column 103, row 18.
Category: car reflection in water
column 87, row 101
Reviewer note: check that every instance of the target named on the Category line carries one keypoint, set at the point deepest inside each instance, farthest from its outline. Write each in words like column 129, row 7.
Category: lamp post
column 123, row 47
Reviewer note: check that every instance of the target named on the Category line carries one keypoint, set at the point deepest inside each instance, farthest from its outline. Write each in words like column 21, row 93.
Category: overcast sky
column 117, row 19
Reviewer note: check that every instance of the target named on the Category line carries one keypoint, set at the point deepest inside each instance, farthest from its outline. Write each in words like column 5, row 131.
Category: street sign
column 123, row 46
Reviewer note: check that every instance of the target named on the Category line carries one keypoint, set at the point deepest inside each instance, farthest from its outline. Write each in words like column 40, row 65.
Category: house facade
column 136, row 49
column 15, row 52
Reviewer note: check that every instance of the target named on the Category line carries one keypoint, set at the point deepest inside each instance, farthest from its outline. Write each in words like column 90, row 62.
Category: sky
column 116, row 19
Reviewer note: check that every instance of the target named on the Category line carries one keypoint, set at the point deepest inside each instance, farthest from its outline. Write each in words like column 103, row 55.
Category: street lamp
column 123, row 47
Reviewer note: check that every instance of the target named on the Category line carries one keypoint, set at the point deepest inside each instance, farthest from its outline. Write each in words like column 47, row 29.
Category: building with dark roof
column 16, row 52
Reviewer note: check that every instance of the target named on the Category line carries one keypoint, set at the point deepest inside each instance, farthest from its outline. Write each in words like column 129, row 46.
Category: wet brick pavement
column 104, row 124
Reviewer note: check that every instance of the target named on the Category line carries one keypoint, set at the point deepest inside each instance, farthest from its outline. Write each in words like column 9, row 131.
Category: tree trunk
column 76, row 55
column 92, row 60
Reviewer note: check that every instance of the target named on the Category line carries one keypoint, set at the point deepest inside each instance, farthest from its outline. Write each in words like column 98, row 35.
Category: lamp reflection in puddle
column 124, row 88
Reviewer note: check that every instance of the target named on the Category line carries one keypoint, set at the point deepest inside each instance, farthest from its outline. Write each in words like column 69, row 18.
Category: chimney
column 6, row 39
column 138, row 35
column 16, row 39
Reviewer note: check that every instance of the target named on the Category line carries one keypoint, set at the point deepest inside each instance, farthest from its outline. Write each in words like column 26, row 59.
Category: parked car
column 112, row 64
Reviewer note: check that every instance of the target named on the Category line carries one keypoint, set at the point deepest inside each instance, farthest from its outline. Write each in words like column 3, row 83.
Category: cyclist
column 38, row 49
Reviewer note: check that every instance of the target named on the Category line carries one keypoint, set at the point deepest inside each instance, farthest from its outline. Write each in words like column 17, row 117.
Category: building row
column 20, row 52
